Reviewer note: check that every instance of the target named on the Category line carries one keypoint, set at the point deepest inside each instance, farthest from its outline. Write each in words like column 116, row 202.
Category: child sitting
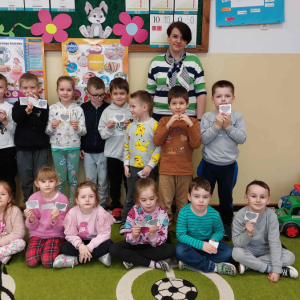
column 257, row 244
column 145, row 242
column 87, row 229
column 199, row 227
column 44, row 214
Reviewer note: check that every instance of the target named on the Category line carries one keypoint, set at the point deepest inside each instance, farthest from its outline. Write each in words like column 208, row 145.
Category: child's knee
column 20, row 244
column 33, row 261
column 180, row 250
column 290, row 258
column 114, row 249
column 237, row 254
column 47, row 263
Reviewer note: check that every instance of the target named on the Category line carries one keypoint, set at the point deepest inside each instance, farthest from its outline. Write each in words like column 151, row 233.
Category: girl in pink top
column 146, row 230
column 12, row 229
column 45, row 213
column 87, row 230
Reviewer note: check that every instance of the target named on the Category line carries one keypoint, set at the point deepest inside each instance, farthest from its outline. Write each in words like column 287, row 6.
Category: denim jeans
column 201, row 260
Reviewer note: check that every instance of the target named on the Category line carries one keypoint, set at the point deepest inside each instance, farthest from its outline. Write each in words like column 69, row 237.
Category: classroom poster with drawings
column 85, row 58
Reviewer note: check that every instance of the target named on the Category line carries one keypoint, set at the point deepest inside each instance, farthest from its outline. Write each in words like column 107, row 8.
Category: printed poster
column 158, row 30
column 137, row 7
column 161, row 6
column 63, row 5
column 11, row 4
column 35, row 5
column 85, row 58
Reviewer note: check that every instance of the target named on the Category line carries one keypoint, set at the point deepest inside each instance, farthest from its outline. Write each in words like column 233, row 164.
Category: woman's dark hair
column 183, row 28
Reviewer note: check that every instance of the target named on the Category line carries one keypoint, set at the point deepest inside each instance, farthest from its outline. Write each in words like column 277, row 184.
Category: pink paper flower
column 131, row 29
column 51, row 28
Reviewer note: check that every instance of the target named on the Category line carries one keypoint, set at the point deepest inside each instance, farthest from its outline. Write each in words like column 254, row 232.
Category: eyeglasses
column 96, row 96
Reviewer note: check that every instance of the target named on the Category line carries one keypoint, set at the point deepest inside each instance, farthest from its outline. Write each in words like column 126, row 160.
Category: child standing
column 87, row 229
column 65, row 126
column 140, row 154
column 257, row 244
column 30, row 138
column 92, row 145
column 145, row 246
column 178, row 135
column 199, row 225
column 221, row 133
column 44, row 219
column 112, row 128
column 8, row 162
column 12, row 229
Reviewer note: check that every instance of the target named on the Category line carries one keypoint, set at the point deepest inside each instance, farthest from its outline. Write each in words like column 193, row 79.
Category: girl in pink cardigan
column 87, row 230
column 12, row 229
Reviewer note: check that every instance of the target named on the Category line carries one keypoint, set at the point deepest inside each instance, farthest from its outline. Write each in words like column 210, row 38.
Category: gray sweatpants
column 260, row 263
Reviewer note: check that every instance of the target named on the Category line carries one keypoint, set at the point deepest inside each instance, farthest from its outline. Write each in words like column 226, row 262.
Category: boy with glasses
column 92, row 145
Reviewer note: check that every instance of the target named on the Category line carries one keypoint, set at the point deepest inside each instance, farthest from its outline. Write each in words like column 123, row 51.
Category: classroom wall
column 267, row 94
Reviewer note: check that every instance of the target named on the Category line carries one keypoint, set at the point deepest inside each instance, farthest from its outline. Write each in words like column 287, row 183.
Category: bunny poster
column 85, row 58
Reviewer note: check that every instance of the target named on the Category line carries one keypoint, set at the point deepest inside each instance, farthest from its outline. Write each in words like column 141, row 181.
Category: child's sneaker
column 117, row 214
column 226, row 269
column 242, row 268
column 182, row 265
column 122, row 229
column 289, row 272
column 163, row 265
column 65, row 261
column 105, row 259
column 127, row 265
column 5, row 259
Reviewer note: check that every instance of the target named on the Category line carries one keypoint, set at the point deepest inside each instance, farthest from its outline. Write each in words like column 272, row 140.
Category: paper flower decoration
column 131, row 29
column 51, row 28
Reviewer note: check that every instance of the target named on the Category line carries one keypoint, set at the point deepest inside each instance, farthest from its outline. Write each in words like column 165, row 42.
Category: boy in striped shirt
column 199, row 232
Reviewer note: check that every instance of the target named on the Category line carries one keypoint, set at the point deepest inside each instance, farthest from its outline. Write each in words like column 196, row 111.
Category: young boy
column 30, row 137
column 92, row 145
column 8, row 162
column 112, row 128
column 221, row 133
column 178, row 135
column 257, row 244
column 199, row 231
column 140, row 154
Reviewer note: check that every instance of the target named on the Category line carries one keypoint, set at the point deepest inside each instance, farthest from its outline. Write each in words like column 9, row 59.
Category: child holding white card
column 257, row 243
column 45, row 212
column 66, row 125
column 221, row 134
column 199, row 232
column 145, row 246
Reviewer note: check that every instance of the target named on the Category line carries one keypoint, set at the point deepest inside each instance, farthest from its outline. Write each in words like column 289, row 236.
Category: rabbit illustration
column 96, row 17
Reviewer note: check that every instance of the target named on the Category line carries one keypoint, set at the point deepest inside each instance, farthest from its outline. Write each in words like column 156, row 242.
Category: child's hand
column 219, row 120
column 146, row 171
column 111, row 124
column 55, row 214
column 84, row 253
column 226, row 123
column 153, row 229
column 127, row 122
column 250, row 228
column 186, row 119
column 274, row 277
column 208, row 248
column 29, row 108
column 74, row 124
column 82, row 153
column 2, row 115
column 172, row 120
column 136, row 231
column 55, row 123
column 126, row 171
column 29, row 214
column 33, row 96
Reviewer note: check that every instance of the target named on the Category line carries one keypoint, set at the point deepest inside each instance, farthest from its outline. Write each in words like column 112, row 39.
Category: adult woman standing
column 177, row 67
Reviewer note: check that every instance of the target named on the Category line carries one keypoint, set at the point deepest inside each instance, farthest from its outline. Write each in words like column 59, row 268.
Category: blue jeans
column 201, row 260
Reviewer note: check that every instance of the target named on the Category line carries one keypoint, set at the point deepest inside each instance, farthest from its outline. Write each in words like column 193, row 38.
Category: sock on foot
column 216, row 268
column 152, row 264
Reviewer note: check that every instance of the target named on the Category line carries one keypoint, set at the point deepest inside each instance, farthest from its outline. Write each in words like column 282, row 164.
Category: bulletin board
column 115, row 7
column 244, row 12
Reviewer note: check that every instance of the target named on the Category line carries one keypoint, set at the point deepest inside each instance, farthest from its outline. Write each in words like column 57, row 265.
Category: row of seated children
column 83, row 232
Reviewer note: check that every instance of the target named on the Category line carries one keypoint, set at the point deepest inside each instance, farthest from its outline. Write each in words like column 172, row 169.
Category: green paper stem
column 10, row 33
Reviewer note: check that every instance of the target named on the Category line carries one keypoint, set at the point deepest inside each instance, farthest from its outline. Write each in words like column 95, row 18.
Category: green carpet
column 95, row 281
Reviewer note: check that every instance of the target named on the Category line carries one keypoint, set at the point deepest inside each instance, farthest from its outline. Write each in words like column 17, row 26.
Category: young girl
column 16, row 72
column 45, row 213
column 65, row 126
column 87, row 230
column 12, row 229
column 145, row 246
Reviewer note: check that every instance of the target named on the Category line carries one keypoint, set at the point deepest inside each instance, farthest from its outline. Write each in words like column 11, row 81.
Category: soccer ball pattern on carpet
column 174, row 289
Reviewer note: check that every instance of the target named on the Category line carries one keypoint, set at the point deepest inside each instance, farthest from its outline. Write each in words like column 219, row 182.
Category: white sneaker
column 105, row 259
column 242, row 268
column 181, row 265
column 127, row 265
column 65, row 261
column 289, row 272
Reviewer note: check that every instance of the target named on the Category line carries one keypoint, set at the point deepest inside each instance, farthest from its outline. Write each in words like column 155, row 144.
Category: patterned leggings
column 13, row 247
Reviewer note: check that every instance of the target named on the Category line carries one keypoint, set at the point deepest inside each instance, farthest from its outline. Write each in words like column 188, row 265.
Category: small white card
column 215, row 244
column 251, row 216
column 48, row 206
column 37, row 103
column 119, row 118
column 140, row 174
column 148, row 224
column 225, row 108
column 64, row 117
column 61, row 206
column 32, row 204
